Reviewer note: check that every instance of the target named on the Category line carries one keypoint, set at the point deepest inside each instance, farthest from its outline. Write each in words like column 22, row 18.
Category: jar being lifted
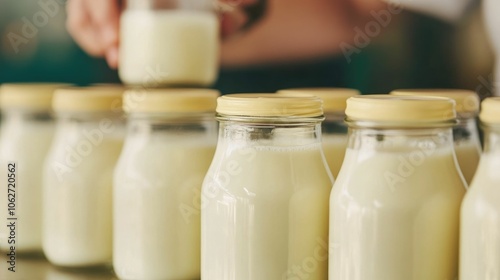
column 169, row 42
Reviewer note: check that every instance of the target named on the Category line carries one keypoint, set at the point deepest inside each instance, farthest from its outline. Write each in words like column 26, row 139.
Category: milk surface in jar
column 465, row 133
column 394, row 209
column 265, row 197
column 333, row 129
column 27, row 131
column 78, row 172
column 480, row 224
column 169, row 145
column 169, row 42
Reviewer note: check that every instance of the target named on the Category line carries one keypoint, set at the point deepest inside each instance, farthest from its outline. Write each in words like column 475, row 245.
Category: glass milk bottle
column 265, row 197
column 78, row 172
column 169, row 145
column 480, row 234
column 395, row 205
column 27, row 131
column 465, row 133
column 169, row 42
column 334, row 129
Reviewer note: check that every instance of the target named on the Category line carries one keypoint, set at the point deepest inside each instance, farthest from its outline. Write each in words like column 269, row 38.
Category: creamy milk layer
column 334, row 147
column 266, row 215
column 169, row 47
column 78, row 200
column 395, row 215
column 27, row 145
column 480, row 225
column 157, row 196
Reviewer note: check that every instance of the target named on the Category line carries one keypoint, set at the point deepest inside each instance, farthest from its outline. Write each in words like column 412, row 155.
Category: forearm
column 449, row 10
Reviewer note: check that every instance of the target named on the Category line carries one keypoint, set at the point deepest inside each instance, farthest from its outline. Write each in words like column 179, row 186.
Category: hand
column 294, row 30
column 94, row 24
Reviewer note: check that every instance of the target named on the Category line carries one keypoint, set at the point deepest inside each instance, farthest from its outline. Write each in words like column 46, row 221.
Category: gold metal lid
column 334, row 99
column 31, row 96
column 182, row 100
column 89, row 99
column 490, row 110
column 269, row 105
column 416, row 110
column 467, row 101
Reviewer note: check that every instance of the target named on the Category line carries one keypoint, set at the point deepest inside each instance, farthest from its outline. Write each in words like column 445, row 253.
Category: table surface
column 38, row 268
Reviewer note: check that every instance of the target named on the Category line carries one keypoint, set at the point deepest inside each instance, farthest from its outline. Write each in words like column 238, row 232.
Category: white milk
column 399, row 219
column 78, row 200
column 169, row 47
column 480, row 228
column 334, row 147
column 468, row 156
column 157, row 195
column 26, row 144
column 266, row 215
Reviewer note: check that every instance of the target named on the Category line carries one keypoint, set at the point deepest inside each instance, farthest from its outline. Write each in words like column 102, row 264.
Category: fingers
column 105, row 17
column 94, row 24
column 80, row 27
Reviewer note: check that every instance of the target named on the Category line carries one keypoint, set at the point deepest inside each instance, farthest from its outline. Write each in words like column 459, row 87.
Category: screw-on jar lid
column 170, row 100
column 467, row 100
column 28, row 96
column 490, row 110
column 269, row 105
column 88, row 99
column 334, row 99
column 400, row 110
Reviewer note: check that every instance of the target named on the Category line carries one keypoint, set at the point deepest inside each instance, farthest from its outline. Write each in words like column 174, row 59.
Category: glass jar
column 334, row 129
column 78, row 172
column 27, row 131
column 465, row 132
column 169, row 42
column 265, row 196
column 480, row 234
column 394, row 210
column 169, row 145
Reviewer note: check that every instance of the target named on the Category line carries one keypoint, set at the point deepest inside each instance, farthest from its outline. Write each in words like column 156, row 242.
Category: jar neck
column 269, row 134
column 27, row 116
column 466, row 130
column 491, row 139
column 173, row 124
column 334, row 123
column 108, row 124
column 400, row 140
column 89, row 117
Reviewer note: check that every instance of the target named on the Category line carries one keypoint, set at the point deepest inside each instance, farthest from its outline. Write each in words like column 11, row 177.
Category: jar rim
column 270, row 120
column 400, row 125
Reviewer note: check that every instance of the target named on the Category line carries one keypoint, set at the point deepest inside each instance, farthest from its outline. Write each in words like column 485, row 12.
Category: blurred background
column 414, row 51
